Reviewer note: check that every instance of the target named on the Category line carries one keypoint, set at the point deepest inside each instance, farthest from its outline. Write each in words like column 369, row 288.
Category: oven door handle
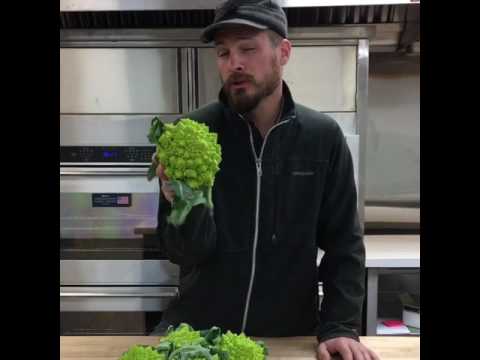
column 95, row 294
column 121, row 299
column 104, row 172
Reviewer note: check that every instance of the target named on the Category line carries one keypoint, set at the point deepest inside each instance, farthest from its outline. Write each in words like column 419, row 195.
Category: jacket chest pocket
column 295, row 169
column 301, row 184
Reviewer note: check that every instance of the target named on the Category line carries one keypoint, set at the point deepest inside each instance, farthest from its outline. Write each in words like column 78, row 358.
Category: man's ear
column 285, row 50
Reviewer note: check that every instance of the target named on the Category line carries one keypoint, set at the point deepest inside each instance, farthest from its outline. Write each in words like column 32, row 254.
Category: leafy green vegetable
column 185, row 343
column 191, row 352
column 139, row 352
column 190, row 155
column 240, row 347
column 182, row 335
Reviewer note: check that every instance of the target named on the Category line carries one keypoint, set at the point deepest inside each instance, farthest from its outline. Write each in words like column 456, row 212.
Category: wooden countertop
column 293, row 348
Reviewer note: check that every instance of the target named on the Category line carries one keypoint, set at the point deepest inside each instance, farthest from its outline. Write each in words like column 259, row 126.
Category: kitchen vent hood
column 141, row 5
column 397, row 23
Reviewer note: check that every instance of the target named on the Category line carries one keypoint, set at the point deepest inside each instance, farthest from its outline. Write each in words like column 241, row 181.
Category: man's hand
column 349, row 349
column 166, row 188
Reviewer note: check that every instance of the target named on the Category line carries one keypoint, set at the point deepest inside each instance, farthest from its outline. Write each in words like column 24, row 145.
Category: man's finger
column 345, row 351
column 322, row 353
column 366, row 355
column 168, row 191
column 161, row 173
column 356, row 350
column 373, row 355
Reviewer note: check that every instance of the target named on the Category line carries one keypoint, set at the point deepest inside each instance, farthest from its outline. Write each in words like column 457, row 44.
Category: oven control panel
column 106, row 154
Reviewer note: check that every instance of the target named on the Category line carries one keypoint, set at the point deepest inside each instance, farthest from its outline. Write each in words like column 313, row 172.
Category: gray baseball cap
column 260, row 14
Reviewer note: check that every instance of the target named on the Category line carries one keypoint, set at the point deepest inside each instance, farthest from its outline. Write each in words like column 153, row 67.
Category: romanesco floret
column 240, row 347
column 183, row 335
column 138, row 352
column 189, row 153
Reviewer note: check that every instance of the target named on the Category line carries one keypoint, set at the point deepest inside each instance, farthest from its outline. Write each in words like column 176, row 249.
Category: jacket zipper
column 258, row 165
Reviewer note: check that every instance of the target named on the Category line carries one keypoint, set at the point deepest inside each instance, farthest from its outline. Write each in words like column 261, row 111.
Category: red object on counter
column 393, row 323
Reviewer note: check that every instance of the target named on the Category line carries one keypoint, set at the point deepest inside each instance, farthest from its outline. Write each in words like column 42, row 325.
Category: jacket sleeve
column 191, row 243
column 342, row 269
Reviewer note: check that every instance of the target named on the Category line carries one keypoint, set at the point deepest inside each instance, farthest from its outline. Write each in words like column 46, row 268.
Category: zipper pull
column 274, row 239
column 259, row 167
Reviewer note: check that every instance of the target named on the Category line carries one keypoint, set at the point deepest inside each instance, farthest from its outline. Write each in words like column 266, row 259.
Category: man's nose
column 235, row 63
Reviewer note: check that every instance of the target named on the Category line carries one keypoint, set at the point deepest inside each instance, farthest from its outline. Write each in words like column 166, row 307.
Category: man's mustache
column 236, row 77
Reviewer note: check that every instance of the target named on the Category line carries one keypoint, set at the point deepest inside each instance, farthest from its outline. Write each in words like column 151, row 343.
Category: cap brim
column 208, row 33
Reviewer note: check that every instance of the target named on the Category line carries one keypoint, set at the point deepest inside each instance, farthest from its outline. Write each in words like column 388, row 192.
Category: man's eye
column 249, row 49
column 222, row 54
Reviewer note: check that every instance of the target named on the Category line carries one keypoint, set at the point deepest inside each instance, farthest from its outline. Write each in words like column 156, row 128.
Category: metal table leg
column 372, row 301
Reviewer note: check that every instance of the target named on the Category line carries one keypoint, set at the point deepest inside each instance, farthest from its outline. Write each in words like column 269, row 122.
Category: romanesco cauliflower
column 241, row 347
column 184, row 343
column 183, row 335
column 138, row 352
column 190, row 155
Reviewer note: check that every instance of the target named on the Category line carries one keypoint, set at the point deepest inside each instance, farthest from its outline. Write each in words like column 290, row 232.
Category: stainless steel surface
column 192, row 84
column 323, row 42
column 112, row 44
column 107, row 130
column 384, row 14
column 132, row 5
column 106, row 184
column 387, row 37
column 179, row 37
column 323, row 77
column 189, row 85
column 118, row 272
column 80, row 220
column 362, row 116
column 209, row 80
column 386, row 34
column 126, row 38
column 117, row 291
column 372, row 301
column 184, row 78
column 115, row 298
column 332, row 32
column 393, row 132
column 109, row 81
column 313, row 74
column 103, row 172
column 346, row 120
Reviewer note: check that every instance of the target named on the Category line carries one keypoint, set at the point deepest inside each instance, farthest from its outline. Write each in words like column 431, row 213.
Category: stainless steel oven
column 115, row 278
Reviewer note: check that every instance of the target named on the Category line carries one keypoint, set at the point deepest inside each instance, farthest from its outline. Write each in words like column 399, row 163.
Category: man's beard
column 242, row 102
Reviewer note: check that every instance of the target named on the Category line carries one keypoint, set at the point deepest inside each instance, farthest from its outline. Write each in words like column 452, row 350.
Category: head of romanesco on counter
column 182, row 335
column 240, row 347
column 189, row 153
column 184, row 343
column 138, row 352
